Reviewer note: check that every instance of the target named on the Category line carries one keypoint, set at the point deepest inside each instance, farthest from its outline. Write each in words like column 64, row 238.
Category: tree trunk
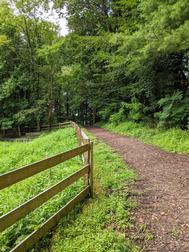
column 19, row 131
column 38, row 125
column 94, row 116
column 50, row 115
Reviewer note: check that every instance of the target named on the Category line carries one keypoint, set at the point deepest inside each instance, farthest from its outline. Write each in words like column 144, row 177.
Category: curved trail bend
column 164, row 186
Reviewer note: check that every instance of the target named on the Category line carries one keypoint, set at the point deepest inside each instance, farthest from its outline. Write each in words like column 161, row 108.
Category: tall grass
column 102, row 224
column 173, row 140
column 105, row 220
column 15, row 155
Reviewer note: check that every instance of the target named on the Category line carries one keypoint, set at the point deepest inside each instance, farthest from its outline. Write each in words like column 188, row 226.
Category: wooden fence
column 86, row 150
column 27, row 129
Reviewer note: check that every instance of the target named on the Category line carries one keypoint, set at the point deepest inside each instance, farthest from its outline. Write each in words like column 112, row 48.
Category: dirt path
column 164, row 183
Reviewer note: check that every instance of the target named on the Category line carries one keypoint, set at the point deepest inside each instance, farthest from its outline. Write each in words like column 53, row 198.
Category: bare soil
column 163, row 180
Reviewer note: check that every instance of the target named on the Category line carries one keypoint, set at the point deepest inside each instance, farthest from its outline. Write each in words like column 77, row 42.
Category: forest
column 121, row 60
column 94, row 125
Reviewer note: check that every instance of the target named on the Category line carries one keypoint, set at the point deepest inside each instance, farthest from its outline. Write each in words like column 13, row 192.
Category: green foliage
column 107, row 112
column 6, row 123
column 23, row 116
column 173, row 140
column 121, row 115
column 22, row 70
column 116, row 50
column 3, row 40
column 133, row 111
column 175, row 111
column 102, row 224
column 16, row 155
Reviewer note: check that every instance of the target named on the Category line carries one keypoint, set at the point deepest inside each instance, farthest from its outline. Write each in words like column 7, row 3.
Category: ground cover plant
column 15, row 155
column 105, row 221
column 173, row 140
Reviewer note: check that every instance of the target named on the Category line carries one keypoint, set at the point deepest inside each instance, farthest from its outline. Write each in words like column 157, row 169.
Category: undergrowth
column 173, row 140
column 15, row 155
column 105, row 221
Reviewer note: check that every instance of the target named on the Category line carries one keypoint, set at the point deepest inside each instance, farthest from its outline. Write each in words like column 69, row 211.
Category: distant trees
column 25, row 95
column 119, row 54
column 135, row 50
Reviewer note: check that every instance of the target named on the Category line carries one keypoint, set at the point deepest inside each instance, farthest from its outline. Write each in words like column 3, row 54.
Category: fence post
column 91, row 170
column 87, row 157
column 86, row 160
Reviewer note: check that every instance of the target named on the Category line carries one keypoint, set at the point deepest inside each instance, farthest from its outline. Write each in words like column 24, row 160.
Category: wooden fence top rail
column 55, row 125
column 52, row 125
column 84, row 136
column 27, row 171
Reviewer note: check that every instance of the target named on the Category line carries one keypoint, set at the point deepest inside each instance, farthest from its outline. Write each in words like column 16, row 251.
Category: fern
column 175, row 110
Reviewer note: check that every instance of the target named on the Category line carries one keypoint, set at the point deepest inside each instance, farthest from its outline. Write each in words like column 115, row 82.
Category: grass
column 15, row 155
column 105, row 221
column 172, row 140
column 97, row 225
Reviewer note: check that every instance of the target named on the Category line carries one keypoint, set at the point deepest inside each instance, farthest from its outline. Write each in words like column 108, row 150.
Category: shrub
column 136, row 111
column 175, row 111
column 133, row 111
column 121, row 115
column 107, row 112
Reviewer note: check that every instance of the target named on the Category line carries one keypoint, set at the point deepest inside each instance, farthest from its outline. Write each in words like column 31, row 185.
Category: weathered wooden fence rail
column 86, row 150
column 27, row 129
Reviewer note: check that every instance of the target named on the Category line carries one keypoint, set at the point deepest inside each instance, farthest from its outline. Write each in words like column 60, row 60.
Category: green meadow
column 15, row 155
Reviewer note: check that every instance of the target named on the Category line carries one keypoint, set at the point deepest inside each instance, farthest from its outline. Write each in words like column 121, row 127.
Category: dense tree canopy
column 123, row 57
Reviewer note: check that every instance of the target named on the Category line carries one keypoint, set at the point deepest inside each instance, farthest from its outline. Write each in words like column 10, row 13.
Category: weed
column 175, row 232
